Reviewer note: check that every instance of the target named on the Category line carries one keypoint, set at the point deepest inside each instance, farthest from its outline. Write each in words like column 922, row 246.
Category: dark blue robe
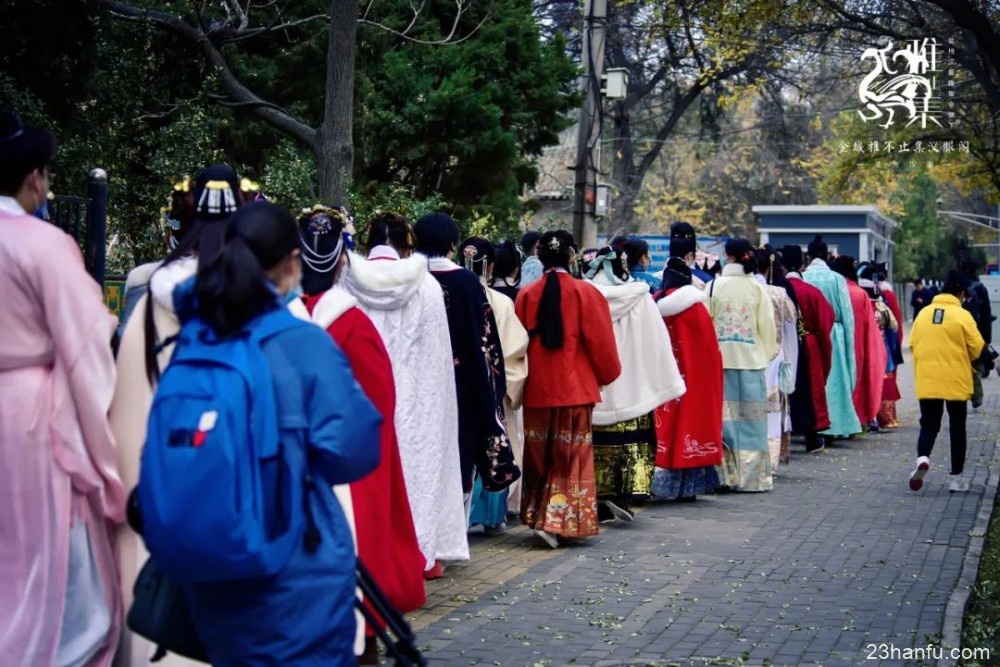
column 479, row 378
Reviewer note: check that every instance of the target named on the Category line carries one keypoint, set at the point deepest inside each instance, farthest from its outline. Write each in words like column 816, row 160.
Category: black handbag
column 160, row 614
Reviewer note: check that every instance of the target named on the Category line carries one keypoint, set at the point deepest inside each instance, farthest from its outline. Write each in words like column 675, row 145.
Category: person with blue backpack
column 255, row 418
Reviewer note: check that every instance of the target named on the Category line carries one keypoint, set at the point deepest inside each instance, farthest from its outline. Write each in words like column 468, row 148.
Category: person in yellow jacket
column 944, row 342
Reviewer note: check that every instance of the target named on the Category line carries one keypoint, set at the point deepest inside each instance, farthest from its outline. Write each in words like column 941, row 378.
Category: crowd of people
column 419, row 386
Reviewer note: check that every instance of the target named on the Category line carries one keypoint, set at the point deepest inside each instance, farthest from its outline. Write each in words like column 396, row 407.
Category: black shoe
column 816, row 444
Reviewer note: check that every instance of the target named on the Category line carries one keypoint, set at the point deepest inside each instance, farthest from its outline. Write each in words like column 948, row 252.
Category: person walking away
column 744, row 325
column 684, row 244
column 406, row 305
column 571, row 354
column 870, row 280
column 637, row 252
column 689, row 428
column 390, row 237
column 146, row 346
column 490, row 509
column 945, row 341
column 383, row 523
column 60, row 490
column 531, row 269
column 506, row 276
column 921, row 297
column 327, row 430
column 977, row 299
column 780, row 370
column 869, row 347
column 177, row 220
column 624, row 435
column 480, row 379
column 843, row 376
column 807, row 404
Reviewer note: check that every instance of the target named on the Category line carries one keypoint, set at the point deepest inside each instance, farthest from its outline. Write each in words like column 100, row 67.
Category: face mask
column 42, row 211
column 293, row 294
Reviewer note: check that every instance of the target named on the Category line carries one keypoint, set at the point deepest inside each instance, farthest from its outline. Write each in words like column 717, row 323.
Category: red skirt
column 559, row 490
column 890, row 389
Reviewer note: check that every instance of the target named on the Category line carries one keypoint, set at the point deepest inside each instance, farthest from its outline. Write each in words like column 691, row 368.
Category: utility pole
column 588, row 147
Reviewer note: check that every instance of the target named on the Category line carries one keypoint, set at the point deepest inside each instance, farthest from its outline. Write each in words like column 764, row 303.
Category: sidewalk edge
column 954, row 614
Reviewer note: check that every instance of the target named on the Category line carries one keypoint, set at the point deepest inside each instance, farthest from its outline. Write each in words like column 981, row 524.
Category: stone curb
column 954, row 614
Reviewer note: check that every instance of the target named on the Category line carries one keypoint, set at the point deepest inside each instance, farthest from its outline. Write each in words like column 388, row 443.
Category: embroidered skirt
column 558, row 487
column 746, row 464
column 624, row 459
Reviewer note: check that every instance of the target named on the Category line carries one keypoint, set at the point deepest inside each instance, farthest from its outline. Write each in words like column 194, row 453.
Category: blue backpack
column 220, row 497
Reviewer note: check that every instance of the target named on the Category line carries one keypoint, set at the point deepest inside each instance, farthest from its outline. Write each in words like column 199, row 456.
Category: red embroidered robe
column 809, row 410
column 689, row 428
column 869, row 351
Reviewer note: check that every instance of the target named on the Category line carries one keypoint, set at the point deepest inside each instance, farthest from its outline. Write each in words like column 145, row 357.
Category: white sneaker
column 917, row 476
column 959, row 484
column 548, row 538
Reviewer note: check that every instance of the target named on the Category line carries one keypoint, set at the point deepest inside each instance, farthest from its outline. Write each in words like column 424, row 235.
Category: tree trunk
column 334, row 145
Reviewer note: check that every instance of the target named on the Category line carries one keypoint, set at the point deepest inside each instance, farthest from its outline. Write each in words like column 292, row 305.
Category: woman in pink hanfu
column 60, row 494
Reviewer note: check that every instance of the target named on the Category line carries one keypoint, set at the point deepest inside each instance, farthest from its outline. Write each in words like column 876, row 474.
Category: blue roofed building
column 861, row 232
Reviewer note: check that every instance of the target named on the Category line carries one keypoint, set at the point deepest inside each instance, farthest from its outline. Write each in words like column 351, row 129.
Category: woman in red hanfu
column 689, row 428
column 386, row 538
column 869, row 348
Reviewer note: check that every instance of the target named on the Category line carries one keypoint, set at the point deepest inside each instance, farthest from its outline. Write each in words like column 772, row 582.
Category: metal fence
column 86, row 220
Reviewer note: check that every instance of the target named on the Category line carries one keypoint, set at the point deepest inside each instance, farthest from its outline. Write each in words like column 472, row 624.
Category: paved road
column 839, row 557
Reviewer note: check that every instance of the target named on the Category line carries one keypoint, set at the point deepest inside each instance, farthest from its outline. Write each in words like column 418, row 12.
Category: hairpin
column 183, row 185
column 554, row 243
column 217, row 198
column 469, row 252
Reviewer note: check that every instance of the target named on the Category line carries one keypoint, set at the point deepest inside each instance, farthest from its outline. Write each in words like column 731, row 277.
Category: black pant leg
column 958, row 412
column 931, row 412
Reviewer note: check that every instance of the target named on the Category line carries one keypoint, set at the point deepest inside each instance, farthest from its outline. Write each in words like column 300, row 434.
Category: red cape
column 689, row 429
column 817, row 318
column 869, row 350
column 387, row 540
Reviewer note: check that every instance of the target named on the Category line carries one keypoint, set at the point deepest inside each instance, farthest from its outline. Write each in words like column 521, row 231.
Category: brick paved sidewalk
column 839, row 556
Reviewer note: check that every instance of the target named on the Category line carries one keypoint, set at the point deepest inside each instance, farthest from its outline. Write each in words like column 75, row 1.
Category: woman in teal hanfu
column 844, row 420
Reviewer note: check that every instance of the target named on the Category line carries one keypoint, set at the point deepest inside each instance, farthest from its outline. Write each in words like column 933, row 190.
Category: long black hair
column 742, row 252
column 321, row 236
column 844, row 265
column 508, row 261
column 232, row 285
column 205, row 235
column 554, row 250
column 676, row 274
column 391, row 229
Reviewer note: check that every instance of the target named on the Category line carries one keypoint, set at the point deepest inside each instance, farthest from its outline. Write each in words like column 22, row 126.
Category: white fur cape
column 650, row 376
column 406, row 305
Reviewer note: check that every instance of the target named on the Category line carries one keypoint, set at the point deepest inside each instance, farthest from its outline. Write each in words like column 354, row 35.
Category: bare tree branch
column 274, row 26
column 231, row 85
column 461, row 7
